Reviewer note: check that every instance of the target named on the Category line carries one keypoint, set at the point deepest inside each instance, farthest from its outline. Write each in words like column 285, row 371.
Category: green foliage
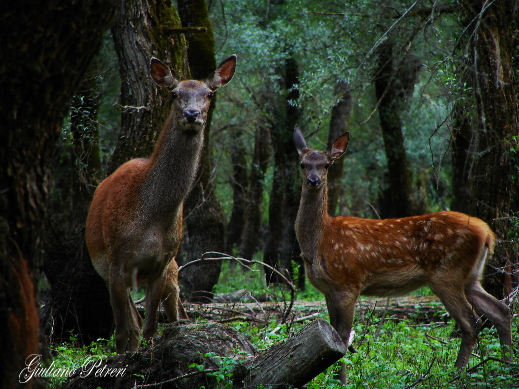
column 72, row 356
column 223, row 374
column 334, row 42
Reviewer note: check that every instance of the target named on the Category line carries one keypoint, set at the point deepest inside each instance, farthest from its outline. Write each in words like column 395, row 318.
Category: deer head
column 192, row 98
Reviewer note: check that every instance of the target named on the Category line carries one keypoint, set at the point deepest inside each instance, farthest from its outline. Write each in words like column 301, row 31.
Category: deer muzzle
column 313, row 182
column 191, row 115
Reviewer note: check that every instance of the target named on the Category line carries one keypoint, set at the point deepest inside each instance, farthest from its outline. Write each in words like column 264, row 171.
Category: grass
column 391, row 353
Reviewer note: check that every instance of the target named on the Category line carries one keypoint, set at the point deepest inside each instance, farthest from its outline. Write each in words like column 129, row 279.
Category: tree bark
column 398, row 201
column 205, row 219
column 282, row 247
column 48, row 49
column 254, row 205
column 492, row 51
column 78, row 295
column 138, row 35
column 239, row 185
column 302, row 357
column 341, row 113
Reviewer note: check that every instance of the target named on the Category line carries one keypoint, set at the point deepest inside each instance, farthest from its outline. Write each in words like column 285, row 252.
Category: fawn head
column 315, row 163
column 191, row 98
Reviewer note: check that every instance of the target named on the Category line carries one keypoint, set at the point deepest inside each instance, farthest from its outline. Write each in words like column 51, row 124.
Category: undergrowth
column 391, row 353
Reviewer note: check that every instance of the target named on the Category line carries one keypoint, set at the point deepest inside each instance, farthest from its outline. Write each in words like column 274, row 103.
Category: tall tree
column 491, row 49
column 340, row 117
column 282, row 247
column 255, row 190
column 398, row 202
column 205, row 219
column 47, row 49
column 238, row 180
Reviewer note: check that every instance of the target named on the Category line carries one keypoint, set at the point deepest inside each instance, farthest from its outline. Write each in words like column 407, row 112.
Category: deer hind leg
column 341, row 307
column 461, row 311
column 126, row 324
column 171, row 296
column 496, row 311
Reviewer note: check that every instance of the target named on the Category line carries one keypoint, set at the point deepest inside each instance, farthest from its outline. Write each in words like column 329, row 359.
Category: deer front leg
column 341, row 307
column 153, row 298
column 126, row 328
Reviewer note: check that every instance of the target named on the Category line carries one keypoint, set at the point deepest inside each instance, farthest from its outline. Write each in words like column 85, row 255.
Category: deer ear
column 223, row 73
column 162, row 75
column 299, row 141
column 339, row 146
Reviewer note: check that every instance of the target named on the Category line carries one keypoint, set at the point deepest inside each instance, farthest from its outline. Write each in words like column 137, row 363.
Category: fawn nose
column 191, row 115
column 313, row 181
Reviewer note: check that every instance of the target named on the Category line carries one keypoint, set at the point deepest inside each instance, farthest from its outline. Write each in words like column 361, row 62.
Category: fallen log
column 189, row 356
column 295, row 362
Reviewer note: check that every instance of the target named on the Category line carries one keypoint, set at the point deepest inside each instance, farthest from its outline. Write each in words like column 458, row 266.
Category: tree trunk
column 254, row 205
column 398, row 201
column 58, row 41
column 78, row 295
column 138, row 35
column 205, row 219
column 492, row 50
column 238, row 180
column 282, row 247
column 340, row 117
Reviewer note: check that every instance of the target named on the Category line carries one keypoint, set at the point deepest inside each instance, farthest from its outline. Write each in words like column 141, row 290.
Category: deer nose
column 313, row 181
column 191, row 115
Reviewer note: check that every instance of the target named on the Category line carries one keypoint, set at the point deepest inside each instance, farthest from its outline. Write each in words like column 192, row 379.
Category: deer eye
column 302, row 166
column 174, row 95
column 210, row 94
column 327, row 166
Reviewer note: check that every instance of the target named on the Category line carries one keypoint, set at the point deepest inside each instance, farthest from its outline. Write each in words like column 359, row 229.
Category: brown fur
column 134, row 225
column 346, row 257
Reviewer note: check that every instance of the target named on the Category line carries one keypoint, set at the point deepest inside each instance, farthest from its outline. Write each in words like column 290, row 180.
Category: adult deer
column 347, row 256
column 134, row 225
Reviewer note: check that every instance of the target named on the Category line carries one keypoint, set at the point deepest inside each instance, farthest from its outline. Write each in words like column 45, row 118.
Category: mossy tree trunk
column 205, row 219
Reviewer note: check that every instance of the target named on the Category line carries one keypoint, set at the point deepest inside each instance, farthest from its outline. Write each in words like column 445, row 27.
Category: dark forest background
column 427, row 89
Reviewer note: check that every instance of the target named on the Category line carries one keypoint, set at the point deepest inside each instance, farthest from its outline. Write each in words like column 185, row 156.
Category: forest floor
column 422, row 309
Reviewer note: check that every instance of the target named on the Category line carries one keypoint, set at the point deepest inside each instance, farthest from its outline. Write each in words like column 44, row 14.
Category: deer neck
column 311, row 219
column 172, row 171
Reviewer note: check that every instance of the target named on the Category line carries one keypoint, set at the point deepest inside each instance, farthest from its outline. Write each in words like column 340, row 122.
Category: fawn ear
column 299, row 141
column 339, row 146
column 223, row 73
column 162, row 75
